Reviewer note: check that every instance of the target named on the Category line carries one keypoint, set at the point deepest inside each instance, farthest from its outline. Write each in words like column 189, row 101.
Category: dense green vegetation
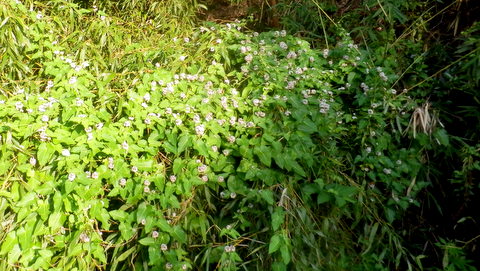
column 295, row 135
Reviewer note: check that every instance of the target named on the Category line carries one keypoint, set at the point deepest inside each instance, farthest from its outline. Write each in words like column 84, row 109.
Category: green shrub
column 214, row 148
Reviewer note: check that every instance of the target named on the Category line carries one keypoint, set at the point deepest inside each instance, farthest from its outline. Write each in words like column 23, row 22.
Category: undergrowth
column 137, row 141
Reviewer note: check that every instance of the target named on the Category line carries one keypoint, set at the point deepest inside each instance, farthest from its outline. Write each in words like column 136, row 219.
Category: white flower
column 39, row 16
column 65, row 152
column 110, row 163
column 163, row 247
column 134, row 169
column 45, row 118
column 291, row 85
column 231, row 139
column 215, row 148
column 196, row 118
column 95, row 175
column 233, row 119
column 229, row 249
column 202, row 168
column 168, row 266
column 205, row 178
column 233, row 195
column 125, row 145
column 122, row 182
column 42, row 107
column 19, row 106
column 33, row 161
column 84, row 238
column 283, row 45
column 200, row 129
column 209, row 116
column 146, row 189
column 127, row 123
column 178, row 122
column 173, row 178
column 383, row 76
column 221, row 179
column 248, row 58
column 182, row 58
column 387, row 171
column 370, row 111
column 325, row 53
column 260, row 114
column 99, row 125
column 155, row 234
column 292, row 54
column 72, row 80
column 71, row 176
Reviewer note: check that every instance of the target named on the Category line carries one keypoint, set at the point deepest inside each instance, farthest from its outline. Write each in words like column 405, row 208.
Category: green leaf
column 45, row 153
column 278, row 217
column 442, row 137
column 125, row 254
column 147, row 241
column 308, row 126
column 323, row 197
column 275, row 243
column 26, row 200
column 54, row 221
column 145, row 165
column 8, row 243
column 118, row 215
column 126, row 231
column 177, row 165
column 297, row 168
column 99, row 253
column 179, row 234
column 285, row 252
column 264, row 153
column 279, row 266
column 267, row 195
column 163, row 225
column 184, row 142
column 201, row 147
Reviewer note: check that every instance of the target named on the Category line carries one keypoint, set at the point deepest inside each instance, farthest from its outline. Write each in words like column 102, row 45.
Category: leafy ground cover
column 133, row 145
